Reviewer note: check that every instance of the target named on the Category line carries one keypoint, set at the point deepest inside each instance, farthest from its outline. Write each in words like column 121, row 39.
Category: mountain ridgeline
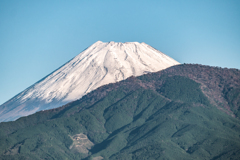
column 183, row 112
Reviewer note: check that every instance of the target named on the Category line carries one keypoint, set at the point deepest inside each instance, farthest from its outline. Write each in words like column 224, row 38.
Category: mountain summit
column 100, row 64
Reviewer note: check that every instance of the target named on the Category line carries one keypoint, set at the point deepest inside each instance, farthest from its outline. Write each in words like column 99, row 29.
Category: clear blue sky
column 38, row 36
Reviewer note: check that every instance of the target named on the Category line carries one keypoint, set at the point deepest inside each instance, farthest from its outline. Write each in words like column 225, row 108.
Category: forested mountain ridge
column 183, row 112
column 220, row 85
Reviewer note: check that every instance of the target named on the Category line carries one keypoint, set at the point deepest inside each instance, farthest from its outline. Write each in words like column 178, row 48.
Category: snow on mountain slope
column 100, row 64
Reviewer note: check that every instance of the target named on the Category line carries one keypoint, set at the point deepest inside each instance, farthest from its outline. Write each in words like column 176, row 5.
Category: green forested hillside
column 173, row 114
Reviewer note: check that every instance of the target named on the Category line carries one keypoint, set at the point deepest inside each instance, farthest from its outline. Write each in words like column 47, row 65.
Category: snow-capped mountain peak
column 99, row 64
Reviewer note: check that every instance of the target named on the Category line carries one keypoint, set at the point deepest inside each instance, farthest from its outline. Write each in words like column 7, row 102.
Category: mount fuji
column 98, row 65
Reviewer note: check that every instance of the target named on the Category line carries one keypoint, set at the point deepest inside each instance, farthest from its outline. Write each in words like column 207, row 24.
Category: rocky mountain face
column 100, row 64
column 183, row 112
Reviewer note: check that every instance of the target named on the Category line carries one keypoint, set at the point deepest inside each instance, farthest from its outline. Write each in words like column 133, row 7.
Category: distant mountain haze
column 100, row 64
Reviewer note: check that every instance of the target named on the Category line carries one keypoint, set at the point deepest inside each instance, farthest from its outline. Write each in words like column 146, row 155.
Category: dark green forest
column 184, row 112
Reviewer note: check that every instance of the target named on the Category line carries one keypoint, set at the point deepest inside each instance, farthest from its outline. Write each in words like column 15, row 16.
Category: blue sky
column 38, row 36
